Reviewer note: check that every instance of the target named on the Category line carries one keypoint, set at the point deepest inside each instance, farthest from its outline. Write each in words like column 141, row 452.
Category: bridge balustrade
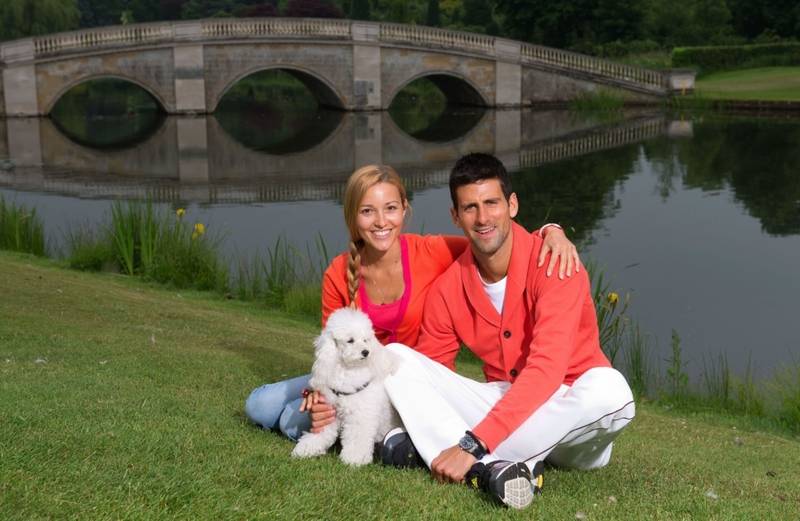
column 341, row 29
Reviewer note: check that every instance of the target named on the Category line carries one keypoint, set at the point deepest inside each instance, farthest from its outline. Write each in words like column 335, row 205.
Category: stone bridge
column 351, row 65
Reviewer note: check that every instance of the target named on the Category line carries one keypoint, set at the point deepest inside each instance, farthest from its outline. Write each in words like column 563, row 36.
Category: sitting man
column 550, row 393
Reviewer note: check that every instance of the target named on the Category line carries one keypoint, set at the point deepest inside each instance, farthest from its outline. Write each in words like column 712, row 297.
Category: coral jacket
column 546, row 336
column 424, row 259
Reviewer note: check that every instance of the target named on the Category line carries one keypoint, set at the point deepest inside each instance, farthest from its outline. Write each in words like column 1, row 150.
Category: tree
column 434, row 20
column 399, row 12
column 194, row 9
column 750, row 18
column 477, row 12
column 171, row 9
column 23, row 18
column 311, row 9
column 361, row 10
column 264, row 10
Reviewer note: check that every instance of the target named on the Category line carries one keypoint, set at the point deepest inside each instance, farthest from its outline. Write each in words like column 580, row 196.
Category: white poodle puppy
column 349, row 368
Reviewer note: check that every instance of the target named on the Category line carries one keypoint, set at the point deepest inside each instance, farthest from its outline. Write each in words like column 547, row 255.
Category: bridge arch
column 160, row 102
column 326, row 94
column 458, row 89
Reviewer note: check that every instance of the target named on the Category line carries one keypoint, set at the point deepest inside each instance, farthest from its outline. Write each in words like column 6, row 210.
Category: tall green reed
column 785, row 386
column 287, row 278
column 21, row 230
column 611, row 319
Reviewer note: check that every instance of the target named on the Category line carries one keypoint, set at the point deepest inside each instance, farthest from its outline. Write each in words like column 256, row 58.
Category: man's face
column 484, row 215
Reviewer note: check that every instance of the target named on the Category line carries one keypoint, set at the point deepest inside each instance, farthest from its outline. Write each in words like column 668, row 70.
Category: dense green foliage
column 616, row 28
column 21, row 18
column 728, row 57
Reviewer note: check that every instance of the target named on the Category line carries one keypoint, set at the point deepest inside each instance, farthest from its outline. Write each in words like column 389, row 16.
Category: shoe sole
column 512, row 486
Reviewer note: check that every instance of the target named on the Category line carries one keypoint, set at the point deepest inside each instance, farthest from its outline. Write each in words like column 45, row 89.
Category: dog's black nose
column 364, row 353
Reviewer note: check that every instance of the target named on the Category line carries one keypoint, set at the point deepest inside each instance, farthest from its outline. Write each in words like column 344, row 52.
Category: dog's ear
column 325, row 360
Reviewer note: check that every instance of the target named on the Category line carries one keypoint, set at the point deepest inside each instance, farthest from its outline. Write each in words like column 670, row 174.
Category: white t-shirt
column 496, row 292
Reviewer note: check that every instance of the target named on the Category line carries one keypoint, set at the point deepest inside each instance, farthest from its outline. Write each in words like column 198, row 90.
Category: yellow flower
column 199, row 228
column 180, row 211
column 613, row 298
column 194, row 236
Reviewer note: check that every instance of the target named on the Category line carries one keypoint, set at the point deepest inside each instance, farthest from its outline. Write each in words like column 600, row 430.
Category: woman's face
column 380, row 217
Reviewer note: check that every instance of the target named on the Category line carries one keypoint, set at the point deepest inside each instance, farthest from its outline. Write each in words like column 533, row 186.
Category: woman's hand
column 320, row 413
column 559, row 247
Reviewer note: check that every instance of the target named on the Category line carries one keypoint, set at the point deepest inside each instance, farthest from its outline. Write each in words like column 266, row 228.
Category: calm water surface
column 698, row 218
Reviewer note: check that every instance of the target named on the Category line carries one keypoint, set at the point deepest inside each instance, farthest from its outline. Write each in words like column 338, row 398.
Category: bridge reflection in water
column 193, row 159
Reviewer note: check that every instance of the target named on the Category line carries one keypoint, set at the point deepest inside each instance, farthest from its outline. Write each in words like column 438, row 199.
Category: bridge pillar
column 19, row 83
column 193, row 158
column 368, row 139
column 190, row 85
column 366, row 67
column 508, row 74
column 507, row 141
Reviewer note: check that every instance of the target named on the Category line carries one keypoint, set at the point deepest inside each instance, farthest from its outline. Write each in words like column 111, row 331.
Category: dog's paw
column 307, row 449
column 355, row 458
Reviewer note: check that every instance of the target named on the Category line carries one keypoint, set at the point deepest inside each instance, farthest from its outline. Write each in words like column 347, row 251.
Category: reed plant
column 286, row 279
column 611, row 319
column 88, row 247
column 598, row 100
column 785, row 386
column 21, row 230
column 638, row 361
column 182, row 255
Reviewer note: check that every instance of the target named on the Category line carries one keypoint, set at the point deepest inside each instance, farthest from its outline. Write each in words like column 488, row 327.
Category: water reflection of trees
column 107, row 113
column 577, row 193
column 758, row 159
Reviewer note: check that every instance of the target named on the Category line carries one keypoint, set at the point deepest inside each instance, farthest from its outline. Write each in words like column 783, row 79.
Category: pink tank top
column 388, row 317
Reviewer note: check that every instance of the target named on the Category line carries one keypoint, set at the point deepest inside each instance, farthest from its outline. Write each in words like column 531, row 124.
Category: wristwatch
column 469, row 443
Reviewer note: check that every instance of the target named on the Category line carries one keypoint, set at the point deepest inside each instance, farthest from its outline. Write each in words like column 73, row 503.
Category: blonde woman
column 387, row 275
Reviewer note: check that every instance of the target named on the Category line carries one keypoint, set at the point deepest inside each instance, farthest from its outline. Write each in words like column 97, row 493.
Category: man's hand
column 321, row 413
column 452, row 465
column 559, row 247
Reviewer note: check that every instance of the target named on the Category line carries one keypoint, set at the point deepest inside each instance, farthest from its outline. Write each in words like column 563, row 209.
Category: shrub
column 731, row 57
column 21, row 230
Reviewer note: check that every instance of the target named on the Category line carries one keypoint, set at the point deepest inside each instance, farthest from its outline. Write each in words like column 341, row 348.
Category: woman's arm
column 559, row 247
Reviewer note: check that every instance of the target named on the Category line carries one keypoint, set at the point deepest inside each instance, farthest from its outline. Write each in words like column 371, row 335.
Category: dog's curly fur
column 348, row 356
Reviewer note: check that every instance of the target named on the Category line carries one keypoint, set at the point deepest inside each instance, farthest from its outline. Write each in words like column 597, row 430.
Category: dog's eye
column 350, row 341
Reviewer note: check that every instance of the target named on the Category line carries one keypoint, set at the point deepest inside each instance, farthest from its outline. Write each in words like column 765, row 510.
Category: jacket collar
column 515, row 278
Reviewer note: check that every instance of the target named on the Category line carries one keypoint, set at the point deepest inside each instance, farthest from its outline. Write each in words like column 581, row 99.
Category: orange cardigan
column 428, row 257
column 546, row 336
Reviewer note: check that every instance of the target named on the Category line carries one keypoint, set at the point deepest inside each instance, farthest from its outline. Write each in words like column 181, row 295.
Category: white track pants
column 575, row 428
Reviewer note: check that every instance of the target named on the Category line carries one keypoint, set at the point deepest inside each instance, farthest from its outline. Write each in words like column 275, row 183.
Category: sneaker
column 508, row 483
column 399, row 451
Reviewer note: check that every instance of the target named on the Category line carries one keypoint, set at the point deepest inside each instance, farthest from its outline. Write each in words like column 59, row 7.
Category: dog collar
column 342, row 393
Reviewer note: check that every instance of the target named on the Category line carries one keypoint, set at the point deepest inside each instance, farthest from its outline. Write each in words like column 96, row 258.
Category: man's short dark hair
column 474, row 168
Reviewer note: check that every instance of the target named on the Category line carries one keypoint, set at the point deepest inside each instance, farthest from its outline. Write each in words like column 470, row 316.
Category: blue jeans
column 277, row 407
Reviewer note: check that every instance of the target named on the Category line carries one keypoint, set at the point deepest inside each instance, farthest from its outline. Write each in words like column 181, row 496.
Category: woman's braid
column 353, row 272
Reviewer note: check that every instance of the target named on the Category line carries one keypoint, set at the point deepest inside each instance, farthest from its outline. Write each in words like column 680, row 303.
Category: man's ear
column 513, row 205
column 454, row 215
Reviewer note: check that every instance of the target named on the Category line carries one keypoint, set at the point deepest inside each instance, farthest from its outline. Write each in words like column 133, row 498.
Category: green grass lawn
column 769, row 83
column 121, row 400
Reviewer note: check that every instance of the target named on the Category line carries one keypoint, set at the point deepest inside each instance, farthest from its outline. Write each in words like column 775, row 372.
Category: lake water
column 705, row 208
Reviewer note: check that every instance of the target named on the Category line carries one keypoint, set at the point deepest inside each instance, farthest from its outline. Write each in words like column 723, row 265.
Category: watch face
column 466, row 443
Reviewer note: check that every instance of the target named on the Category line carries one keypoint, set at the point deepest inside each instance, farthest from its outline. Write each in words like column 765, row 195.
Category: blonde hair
column 360, row 181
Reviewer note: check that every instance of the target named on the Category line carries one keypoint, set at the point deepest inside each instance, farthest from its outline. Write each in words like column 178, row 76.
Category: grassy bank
column 123, row 400
column 769, row 84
